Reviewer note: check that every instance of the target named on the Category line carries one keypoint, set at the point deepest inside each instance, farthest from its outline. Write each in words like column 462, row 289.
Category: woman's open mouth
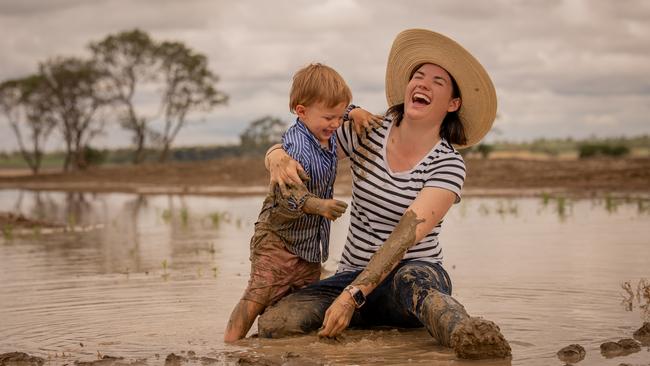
column 420, row 99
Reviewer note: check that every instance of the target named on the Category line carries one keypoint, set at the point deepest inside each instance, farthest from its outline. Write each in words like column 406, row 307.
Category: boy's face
column 321, row 120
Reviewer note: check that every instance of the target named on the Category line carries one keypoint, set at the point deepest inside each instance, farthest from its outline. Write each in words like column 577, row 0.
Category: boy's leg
column 424, row 290
column 275, row 272
column 304, row 310
column 242, row 319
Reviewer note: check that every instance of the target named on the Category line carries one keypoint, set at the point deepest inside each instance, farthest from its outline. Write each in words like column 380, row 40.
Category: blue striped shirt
column 308, row 236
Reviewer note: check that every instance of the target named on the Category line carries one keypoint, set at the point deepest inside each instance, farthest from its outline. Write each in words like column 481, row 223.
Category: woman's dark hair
column 452, row 128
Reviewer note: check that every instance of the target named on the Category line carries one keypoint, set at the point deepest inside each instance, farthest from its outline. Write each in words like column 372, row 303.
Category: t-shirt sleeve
column 345, row 136
column 448, row 173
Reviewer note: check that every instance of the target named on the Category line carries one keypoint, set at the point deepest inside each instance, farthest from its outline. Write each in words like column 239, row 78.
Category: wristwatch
column 357, row 296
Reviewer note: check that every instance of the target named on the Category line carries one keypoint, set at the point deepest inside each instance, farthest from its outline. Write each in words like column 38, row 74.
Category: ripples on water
column 160, row 274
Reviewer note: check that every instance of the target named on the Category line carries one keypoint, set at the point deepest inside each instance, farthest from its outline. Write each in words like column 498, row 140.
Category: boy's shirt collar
column 302, row 127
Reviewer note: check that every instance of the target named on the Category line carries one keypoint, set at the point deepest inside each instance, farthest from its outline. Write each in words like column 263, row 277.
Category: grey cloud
column 552, row 61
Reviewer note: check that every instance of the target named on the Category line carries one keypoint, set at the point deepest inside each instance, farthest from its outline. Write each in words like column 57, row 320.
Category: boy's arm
column 330, row 209
column 300, row 199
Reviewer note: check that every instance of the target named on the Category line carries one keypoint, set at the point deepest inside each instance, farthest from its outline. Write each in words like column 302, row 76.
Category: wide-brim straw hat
column 414, row 47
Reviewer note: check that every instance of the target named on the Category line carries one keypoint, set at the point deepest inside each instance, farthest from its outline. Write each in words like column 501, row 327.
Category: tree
column 26, row 103
column 76, row 90
column 262, row 133
column 128, row 59
column 189, row 85
column 133, row 60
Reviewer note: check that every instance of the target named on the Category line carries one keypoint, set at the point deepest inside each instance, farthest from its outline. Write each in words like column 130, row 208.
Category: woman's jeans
column 414, row 294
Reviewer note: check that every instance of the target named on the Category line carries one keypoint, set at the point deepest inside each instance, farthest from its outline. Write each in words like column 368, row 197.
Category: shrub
column 590, row 150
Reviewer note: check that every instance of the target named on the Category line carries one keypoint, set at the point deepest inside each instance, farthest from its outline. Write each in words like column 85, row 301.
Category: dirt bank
column 12, row 220
column 246, row 175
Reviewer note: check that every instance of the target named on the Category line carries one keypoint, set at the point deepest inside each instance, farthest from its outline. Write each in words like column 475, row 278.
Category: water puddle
column 143, row 276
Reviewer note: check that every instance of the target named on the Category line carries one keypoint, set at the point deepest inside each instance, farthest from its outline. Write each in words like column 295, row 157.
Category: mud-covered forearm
column 290, row 208
column 313, row 205
column 390, row 253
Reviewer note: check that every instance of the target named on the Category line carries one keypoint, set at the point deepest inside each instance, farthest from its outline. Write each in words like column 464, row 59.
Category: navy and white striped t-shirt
column 309, row 235
column 380, row 197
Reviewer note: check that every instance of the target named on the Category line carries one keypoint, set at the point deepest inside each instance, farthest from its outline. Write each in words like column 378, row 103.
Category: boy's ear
column 300, row 111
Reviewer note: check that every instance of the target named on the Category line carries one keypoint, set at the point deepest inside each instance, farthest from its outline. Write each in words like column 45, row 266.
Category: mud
column 441, row 314
column 623, row 347
column 365, row 150
column 279, row 321
column 20, row 359
column 643, row 334
column 8, row 219
column 571, row 354
column 477, row 338
column 237, row 176
column 391, row 252
column 107, row 360
column 172, row 359
column 284, row 359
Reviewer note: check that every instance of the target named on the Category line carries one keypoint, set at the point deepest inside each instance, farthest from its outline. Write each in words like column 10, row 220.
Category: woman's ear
column 454, row 104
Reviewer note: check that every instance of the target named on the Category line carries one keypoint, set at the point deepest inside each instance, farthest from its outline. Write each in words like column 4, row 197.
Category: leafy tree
column 262, row 133
column 26, row 103
column 189, row 85
column 76, row 94
column 135, row 62
column 128, row 59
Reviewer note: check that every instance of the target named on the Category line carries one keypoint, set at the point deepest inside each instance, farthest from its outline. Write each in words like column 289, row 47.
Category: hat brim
column 414, row 47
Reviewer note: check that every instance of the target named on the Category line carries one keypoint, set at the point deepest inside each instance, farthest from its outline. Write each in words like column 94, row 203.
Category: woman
column 406, row 175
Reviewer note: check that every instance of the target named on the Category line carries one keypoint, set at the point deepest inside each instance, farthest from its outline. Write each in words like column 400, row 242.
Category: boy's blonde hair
column 317, row 83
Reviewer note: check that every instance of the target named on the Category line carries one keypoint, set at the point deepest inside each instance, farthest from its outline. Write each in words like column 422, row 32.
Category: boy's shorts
column 275, row 271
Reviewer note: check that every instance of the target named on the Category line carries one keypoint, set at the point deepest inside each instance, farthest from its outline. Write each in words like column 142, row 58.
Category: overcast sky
column 561, row 68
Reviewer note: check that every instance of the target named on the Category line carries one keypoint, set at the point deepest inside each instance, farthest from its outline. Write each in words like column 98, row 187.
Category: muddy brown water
column 143, row 276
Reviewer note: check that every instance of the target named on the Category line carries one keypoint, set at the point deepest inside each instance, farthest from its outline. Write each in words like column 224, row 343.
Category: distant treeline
column 258, row 137
column 254, row 141
column 583, row 148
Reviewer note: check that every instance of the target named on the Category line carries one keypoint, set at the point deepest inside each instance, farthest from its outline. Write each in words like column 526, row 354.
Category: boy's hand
column 330, row 209
column 364, row 121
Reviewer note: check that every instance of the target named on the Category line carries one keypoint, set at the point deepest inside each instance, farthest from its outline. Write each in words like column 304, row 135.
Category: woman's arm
column 425, row 212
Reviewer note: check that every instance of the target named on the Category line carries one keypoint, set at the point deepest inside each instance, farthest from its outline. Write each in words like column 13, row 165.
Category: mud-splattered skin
column 390, row 253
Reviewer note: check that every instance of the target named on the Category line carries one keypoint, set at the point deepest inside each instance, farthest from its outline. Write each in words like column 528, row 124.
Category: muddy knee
column 291, row 316
column 414, row 283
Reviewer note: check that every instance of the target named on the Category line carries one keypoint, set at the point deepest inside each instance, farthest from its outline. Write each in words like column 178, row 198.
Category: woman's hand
column 284, row 170
column 363, row 121
column 338, row 316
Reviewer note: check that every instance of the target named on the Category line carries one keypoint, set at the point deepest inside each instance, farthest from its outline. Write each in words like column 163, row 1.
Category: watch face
column 359, row 298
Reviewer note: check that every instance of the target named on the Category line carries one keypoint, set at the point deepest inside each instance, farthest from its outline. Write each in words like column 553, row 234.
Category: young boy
column 291, row 236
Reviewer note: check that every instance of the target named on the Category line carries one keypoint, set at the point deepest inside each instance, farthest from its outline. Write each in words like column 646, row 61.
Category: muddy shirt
column 307, row 236
column 380, row 197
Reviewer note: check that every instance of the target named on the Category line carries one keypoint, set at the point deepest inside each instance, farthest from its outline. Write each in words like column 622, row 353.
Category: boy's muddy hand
column 364, row 121
column 329, row 208
column 285, row 171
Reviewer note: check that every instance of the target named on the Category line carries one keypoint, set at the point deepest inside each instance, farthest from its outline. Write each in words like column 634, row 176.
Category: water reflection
column 638, row 296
